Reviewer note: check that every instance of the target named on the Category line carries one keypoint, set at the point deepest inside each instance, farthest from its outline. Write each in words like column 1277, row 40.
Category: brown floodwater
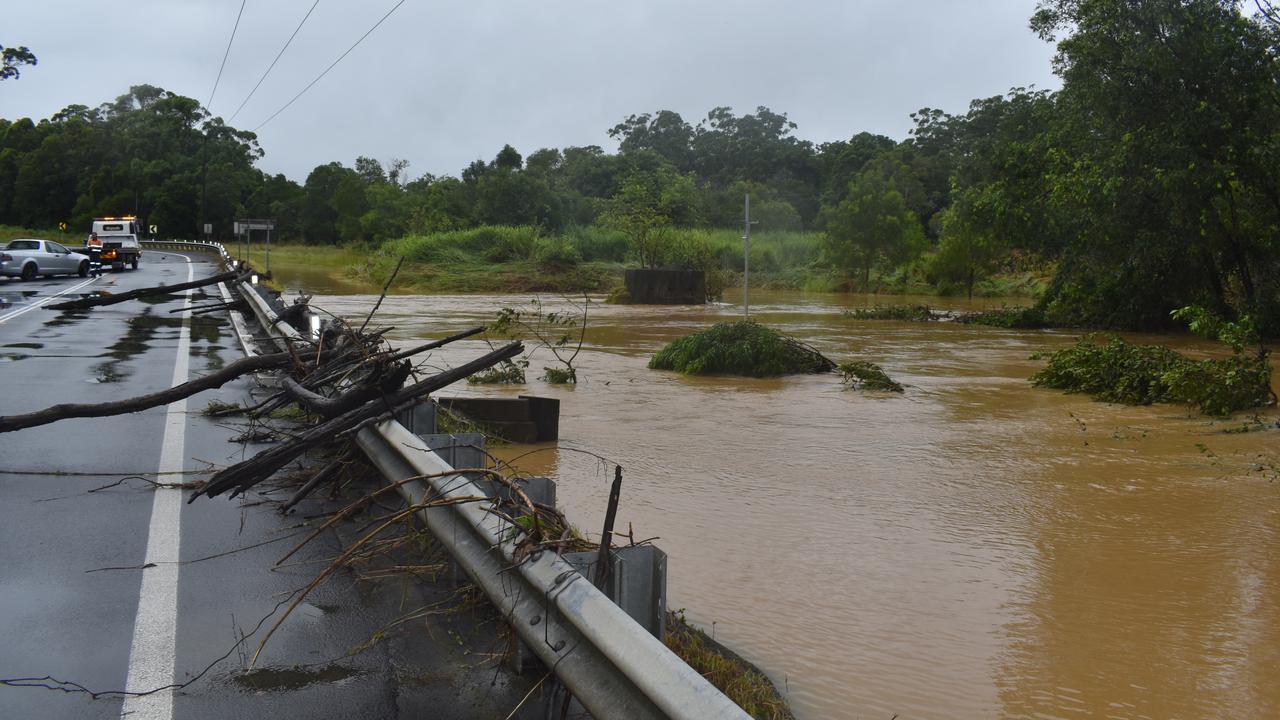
column 975, row 547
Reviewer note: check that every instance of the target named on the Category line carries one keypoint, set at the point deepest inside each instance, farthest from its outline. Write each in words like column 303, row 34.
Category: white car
column 28, row 258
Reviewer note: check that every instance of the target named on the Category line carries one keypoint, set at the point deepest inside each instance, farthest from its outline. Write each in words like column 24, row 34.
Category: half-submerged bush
column 1121, row 372
column 740, row 348
column 864, row 375
column 914, row 313
column 1020, row 318
column 507, row 372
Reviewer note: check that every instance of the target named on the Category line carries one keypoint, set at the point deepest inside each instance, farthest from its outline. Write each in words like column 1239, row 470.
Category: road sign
column 208, row 228
column 155, row 230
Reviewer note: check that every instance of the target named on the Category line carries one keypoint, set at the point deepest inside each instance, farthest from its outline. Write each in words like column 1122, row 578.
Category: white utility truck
column 119, row 236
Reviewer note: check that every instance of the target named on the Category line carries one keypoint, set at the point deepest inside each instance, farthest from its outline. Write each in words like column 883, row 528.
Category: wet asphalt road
column 71, row 550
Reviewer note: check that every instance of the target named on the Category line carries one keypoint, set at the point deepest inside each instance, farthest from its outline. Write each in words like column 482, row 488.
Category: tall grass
column 770, row 251
column 70, row 239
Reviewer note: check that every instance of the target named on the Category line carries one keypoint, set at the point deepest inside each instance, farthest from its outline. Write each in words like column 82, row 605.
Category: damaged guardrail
column 611, row 664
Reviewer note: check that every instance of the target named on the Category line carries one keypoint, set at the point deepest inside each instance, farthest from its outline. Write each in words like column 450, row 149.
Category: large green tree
column 12, row 58
column 872, row 226
column 1167, row 158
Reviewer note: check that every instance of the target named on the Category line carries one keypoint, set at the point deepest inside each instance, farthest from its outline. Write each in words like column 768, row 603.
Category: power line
column 273, row 62
column 226, row 54
column 326, row 70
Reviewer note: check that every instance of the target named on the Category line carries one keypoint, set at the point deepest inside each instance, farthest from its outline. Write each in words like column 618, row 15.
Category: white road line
column 153, row 655
column 8, row 316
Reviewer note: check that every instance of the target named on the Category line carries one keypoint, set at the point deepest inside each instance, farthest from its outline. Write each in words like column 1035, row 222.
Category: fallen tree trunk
column 383, row 383
column 9, row 423
column 99, row 301
column 244, row 475
column 402, row 354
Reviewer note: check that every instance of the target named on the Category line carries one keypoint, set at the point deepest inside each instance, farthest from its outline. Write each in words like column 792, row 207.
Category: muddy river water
column 975, row 547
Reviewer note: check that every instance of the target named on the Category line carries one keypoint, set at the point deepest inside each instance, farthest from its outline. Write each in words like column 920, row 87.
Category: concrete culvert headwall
column 667, row 287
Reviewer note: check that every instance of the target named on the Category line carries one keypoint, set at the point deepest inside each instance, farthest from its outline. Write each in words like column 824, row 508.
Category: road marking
column 153, row 654
column 42, row 301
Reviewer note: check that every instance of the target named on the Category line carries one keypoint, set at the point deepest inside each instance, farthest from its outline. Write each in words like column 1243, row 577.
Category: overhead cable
column 273, row 62
column 331, row 66
column 226, row 54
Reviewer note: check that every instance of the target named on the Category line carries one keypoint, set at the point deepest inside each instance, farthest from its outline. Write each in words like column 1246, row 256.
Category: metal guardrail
column 281, row 332
column 613, row 666
column 195, row 245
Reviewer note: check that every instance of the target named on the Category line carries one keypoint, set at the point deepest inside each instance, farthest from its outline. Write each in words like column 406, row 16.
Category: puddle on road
column 66, row 318
column 284, row 679
column 9, row 299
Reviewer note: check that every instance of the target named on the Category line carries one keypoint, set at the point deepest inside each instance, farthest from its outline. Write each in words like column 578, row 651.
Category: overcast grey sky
column 444, row 82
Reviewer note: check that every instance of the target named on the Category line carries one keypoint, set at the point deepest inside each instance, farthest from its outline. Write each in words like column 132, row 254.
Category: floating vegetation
column 560, row 376
column 507, row 372
column 738, row 679
column 1122, row 372
column 1019, row 318
column 740, row 348
column 911, row 313
column 864, row 375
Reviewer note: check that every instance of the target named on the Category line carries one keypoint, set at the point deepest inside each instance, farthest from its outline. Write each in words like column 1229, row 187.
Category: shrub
column 1021, row 318
column 920, row 313
column 556, row 254
column 507, row 372
column 740, row 348
column 1144, row 374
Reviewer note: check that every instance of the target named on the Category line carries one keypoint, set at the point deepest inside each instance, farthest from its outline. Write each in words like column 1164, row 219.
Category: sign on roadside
column 208, row 228
column 155, row 230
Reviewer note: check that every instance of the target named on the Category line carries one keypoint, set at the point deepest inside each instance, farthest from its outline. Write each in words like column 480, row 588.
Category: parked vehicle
column 119, row 236
column 28, row 258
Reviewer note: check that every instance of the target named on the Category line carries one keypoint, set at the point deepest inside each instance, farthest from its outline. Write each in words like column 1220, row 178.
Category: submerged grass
column 740, row 348
column 1121, row 372
column 738, row 679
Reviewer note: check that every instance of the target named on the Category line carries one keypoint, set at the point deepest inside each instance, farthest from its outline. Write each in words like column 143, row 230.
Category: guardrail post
column 637, row 583
column 460, row 450
column 420, row 419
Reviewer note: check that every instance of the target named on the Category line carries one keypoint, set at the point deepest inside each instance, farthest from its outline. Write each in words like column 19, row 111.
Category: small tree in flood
column 562, row 333
column 646, row 207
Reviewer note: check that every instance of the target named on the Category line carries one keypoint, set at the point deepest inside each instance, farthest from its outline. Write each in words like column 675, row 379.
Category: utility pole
column 746, row 256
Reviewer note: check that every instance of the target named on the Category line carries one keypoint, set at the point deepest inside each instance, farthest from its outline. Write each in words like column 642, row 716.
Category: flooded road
column 975, row 547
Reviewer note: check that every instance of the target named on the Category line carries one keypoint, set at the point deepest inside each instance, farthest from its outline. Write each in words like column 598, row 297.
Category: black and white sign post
column 248, row 226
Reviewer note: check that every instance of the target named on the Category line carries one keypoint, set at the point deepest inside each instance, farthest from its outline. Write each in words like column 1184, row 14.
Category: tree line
column 1149, row 178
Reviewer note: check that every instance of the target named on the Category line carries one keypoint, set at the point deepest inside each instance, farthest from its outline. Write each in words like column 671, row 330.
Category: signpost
column 248, row 226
